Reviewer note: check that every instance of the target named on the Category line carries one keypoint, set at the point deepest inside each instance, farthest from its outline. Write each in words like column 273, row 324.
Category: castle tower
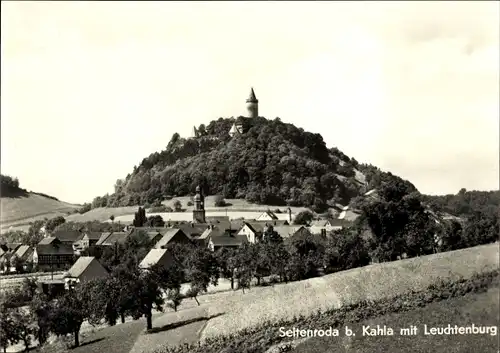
column 252, row 105
column 199, row 206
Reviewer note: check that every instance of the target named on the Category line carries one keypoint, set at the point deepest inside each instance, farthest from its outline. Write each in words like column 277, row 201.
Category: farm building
column 157, row 257
column 173, row 235
column 86, row 268
column 54, row 255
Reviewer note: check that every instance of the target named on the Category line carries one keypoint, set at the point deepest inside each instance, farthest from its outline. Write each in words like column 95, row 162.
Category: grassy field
column 480, row 309
column 232, row 311
column 18, row 210
column 18, row 213
column 125, row 214
column 371, row 282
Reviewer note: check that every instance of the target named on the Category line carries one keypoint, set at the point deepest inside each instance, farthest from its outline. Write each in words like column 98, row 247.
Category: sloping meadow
column 286, row 301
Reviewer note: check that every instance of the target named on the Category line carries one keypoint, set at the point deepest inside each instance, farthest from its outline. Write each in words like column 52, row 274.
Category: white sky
column 89, row 89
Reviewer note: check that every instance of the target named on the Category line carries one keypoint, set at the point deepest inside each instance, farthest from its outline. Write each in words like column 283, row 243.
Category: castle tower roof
column 252, row 98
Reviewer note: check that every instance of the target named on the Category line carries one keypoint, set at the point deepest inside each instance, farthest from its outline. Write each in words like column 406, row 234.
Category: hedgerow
column 260, row 338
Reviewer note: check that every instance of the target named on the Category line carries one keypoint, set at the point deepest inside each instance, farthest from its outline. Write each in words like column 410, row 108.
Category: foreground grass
column 259, row 338
column 481, row 309
column 374, row 282
column 113, row 339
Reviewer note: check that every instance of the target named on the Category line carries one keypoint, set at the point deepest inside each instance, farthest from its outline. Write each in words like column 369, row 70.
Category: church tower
column 199, row 206
column 252, row 105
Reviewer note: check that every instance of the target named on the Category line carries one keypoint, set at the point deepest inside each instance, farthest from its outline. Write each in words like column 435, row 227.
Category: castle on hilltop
column 240, row 125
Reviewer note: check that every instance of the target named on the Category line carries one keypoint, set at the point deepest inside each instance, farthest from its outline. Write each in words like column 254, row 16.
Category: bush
column 177, row 206
column 159, row 209
column 219, row 201
column 190, row 203
column 303, row 217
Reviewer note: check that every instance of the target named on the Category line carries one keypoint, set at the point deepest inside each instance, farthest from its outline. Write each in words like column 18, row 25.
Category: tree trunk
column 77, row 338
column 232, row 283
column 258, row 281
column 122, row 315
column 149, row 320
column 197, row 302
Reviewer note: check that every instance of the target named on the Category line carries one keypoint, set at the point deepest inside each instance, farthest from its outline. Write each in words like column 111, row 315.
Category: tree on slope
column 202, row 269
column 140, row 218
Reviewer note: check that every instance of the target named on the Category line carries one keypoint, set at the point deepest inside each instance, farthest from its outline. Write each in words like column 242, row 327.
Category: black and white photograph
column 250, row 177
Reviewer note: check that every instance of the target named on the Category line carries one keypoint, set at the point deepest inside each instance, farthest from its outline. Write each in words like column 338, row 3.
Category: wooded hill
column 273, row 163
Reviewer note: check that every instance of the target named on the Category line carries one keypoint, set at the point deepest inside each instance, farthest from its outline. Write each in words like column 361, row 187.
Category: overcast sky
column 90, row 89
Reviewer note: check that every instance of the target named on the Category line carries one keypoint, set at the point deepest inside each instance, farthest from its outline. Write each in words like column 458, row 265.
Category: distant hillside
column 465, row 203
column 273, row 163
column 19, row 206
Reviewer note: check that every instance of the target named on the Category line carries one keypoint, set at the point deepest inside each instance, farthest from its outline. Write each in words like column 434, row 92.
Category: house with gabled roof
column 154, row 234
column 113, row 238
column 253, row 231
column 324, row 226
column 157, row 257
column 85, row 241
column 216, row 242
column 48, row 240
column 53, row 254
column 267, row 216
column 24, row 253
column 86, row 268
column 173, row 235
column 291, row 231
column 193, row 230
column 67, row 236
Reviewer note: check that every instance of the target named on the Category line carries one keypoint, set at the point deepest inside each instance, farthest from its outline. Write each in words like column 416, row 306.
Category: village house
column 86, row 268
column 24, row 254
column 273, row 216
column 52, row 254
column 172, row 235
column 112, row 238
column 216, row 242
column 349, row 214
column 324, row 226
column 292, row 231
column 67, row 236
column 267, row 216
column 253, row 231
column 85, row 241
column 211, row 231
column 9, row 247
column 192, row 230
column 7, row 251
column 154, row 234
column 157, row 257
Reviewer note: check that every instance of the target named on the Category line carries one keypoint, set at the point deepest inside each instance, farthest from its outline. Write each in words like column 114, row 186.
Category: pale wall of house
column 245, row 230
column 264, row 217
column 317, row 229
